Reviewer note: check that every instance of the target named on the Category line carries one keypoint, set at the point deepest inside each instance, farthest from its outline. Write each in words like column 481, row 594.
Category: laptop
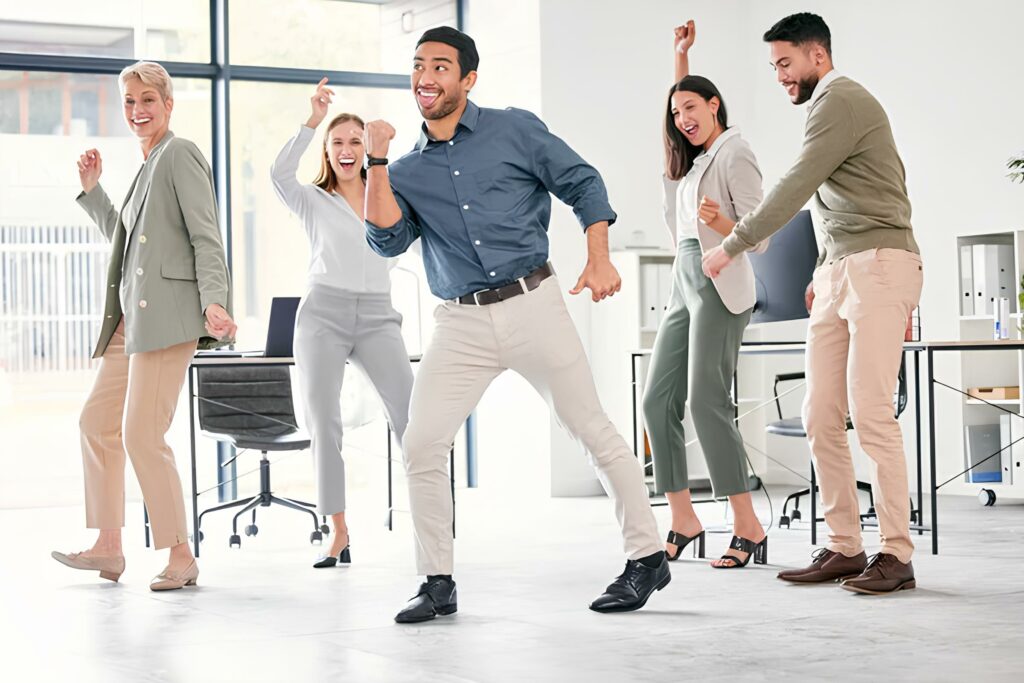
column 280, row 332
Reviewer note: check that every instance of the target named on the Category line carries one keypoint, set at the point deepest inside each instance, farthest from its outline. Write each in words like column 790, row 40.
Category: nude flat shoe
column 110, row 567
column 169, row 581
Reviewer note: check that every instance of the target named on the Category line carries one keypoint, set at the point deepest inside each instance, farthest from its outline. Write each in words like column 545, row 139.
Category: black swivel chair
column 251, row 407
column 794, row 427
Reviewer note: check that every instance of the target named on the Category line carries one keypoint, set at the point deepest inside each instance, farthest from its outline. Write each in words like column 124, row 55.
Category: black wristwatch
column 375, row 161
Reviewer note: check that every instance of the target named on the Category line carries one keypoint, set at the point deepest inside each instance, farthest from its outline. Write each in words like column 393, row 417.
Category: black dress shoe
column 633, row 587
column 436, row 597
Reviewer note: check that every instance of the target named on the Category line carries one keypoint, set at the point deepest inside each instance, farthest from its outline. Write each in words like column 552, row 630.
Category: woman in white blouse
column 711, row 179
column 346, row 314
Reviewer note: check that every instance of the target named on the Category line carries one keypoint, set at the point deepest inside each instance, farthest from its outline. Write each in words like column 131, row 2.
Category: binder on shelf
column 1010, row 429
column 966, row 280
column 992, row 273
column 982, row 441
column 664, row 289
column 1004, row 268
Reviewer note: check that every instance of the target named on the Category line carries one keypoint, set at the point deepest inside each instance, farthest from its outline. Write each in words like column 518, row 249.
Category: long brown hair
column 326, row 179
column 679, row 153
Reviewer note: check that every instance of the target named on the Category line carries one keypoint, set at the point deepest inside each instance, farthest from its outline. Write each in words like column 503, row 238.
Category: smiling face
column 146, row 112
column 344, row 150
column 799, row 67
column 437, row 80
column 694, row 117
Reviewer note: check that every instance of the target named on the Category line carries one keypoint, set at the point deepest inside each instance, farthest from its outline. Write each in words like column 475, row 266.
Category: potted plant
column 1016, row 166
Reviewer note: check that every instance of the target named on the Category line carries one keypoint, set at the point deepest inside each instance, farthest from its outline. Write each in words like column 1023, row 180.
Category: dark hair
column 326, row 179
column 679, row 153
column 800, row 29
column 469, row 58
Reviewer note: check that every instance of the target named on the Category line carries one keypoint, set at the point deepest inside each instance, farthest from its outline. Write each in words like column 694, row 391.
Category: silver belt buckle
column 476, row 297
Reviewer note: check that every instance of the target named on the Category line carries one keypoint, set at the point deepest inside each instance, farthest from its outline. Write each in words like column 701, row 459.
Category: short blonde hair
column 151, row 74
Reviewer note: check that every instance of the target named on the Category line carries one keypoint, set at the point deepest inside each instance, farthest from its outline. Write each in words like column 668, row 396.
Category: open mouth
column 690, row 131
column 346, row 162
column 426, row 97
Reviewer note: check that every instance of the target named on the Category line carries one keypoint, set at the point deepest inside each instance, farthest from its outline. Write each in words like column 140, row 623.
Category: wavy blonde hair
column 151, row 74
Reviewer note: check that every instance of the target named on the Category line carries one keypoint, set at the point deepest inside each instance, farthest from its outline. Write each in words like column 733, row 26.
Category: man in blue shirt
column 475, row 191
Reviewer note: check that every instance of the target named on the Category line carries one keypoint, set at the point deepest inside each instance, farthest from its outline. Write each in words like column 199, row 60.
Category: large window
column 59, row 96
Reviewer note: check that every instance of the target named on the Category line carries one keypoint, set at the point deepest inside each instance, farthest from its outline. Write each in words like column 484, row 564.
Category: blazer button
column 142, row 303
column 142, row 239
column 138, row 271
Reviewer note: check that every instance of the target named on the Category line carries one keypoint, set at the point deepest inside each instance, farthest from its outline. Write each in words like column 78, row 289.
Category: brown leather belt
column 520, row 286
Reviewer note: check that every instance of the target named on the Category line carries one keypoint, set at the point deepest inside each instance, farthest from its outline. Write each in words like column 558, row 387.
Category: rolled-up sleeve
column 564, row 172
column 394, row 240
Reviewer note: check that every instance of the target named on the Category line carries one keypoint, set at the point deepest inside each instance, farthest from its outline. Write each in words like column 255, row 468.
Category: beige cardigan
column 732, row 179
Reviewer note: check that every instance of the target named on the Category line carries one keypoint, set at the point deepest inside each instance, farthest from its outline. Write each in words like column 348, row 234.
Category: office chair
column 251, row 407
column 794, row 427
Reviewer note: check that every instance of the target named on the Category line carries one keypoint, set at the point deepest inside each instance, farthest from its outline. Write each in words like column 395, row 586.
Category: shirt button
column 493, row 273
column 109, row 317
column 465, row 207
column 476, row 242
column 142, row 239
column 112, row 286
column 456, row 173
column 138, row 271
column 142, row 303
column 451, row 142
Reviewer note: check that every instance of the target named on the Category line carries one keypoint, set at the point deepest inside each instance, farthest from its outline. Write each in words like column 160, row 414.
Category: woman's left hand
column 708, row 209
column 219, row 323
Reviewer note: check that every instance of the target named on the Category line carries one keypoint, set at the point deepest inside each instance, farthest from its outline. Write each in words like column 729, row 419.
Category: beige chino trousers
column 533, row 335
column 854, row 345
column 130, row 409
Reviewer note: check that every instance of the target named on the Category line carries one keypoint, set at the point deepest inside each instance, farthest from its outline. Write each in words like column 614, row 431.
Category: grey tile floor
column 525, row 577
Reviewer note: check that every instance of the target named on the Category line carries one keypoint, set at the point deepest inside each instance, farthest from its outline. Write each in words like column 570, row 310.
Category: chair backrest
column 246, row 400
column 781, row 273
column 899, row 400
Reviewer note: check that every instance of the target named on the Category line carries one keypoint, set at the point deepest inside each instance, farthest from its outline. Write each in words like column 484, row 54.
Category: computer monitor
column 281, row 327
column 782, row 273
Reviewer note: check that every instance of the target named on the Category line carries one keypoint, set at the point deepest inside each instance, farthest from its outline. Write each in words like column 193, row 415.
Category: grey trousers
column 533, row 335
column 334, row 326
column 695, row 354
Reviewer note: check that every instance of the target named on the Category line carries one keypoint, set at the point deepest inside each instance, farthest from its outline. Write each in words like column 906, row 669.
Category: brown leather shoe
column 884, row 574
column 827, row 566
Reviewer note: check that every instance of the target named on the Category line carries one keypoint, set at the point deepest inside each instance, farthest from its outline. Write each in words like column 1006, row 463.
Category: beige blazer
column 167, row 260
column 733, row 179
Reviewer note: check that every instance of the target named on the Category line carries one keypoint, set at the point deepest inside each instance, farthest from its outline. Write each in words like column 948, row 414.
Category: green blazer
column 167, row 260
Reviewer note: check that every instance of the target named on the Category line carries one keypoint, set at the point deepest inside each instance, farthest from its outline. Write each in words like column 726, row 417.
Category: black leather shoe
column 633, row 587
column 436, row 597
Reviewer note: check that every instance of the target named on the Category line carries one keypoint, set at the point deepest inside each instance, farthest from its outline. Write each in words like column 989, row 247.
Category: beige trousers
column 533, row 335
column 854, row 346
column 149, row 385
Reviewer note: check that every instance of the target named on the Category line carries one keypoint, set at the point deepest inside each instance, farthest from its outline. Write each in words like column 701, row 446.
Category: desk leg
column 145, row 522
column 917, row 432
column 391, row 505
column 192, row 448
column 814, row 505
column 632, row 373
column 451, row 469
column 931, row 452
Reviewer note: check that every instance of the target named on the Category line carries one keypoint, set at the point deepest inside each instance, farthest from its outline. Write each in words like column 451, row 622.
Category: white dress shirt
column 340, row 256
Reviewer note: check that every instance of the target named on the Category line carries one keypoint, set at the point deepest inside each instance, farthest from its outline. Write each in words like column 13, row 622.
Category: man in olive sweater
column 867, row 283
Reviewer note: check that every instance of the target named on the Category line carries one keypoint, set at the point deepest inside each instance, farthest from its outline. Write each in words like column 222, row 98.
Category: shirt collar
column 469, row 119
column 819, row 89
column 719, row 141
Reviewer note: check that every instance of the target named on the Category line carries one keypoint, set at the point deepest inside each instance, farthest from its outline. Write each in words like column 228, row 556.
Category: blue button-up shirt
column 481, row 201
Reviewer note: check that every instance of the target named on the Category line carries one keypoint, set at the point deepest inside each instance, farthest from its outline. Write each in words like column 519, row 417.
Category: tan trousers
column 533, row 335
column 149, row 385
column 854, row 346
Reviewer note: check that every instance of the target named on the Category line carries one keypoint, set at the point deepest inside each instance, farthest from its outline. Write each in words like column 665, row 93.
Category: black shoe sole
column 633, row 608
column 838, row 579
column 439, row 612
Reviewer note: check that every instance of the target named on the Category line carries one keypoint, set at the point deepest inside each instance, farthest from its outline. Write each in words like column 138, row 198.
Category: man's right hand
column 809, row 296
column 377, row 137
column 90, row 168
column 684, row 37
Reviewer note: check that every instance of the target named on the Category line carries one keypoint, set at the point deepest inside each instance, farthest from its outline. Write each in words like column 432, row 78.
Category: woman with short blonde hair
column 168, row 291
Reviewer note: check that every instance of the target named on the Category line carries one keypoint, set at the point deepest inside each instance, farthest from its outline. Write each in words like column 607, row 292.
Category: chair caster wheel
column 316, row 537
column 987, row 497
column 794, row 515
column 325, row 530
column 251, row 530
column 235, row 541
column 784, row 521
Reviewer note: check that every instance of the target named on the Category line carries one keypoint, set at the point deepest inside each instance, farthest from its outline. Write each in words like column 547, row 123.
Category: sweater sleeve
column 829, row 139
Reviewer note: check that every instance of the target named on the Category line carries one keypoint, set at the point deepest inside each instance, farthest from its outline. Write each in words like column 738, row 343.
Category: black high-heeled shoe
column 344, row 557
column 758, row 551
column 680, row 542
